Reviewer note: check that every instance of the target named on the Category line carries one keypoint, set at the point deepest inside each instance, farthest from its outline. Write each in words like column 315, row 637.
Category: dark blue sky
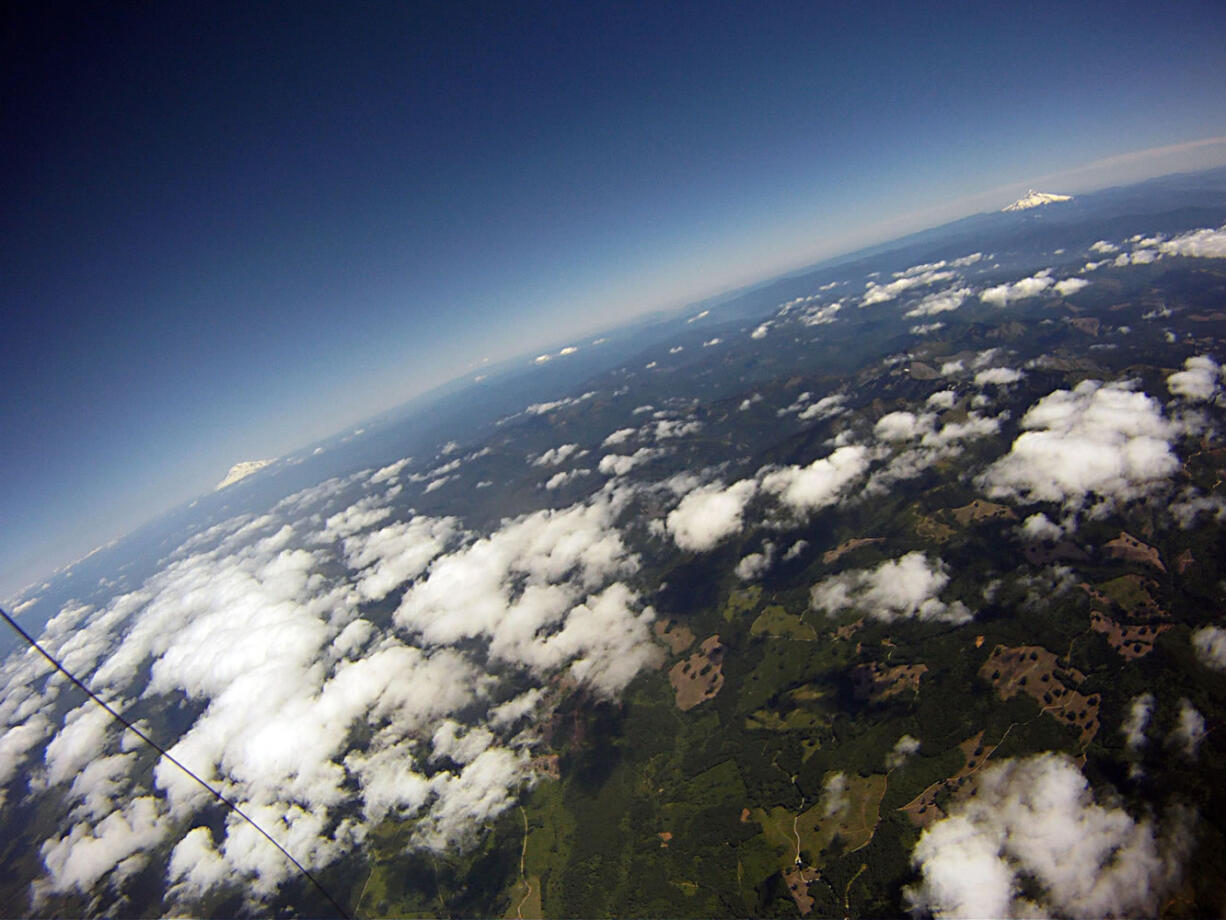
column 232, row 229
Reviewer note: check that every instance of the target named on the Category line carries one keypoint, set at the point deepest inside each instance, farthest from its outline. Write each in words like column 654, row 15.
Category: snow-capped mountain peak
column 1035, row 199
column 241, row 471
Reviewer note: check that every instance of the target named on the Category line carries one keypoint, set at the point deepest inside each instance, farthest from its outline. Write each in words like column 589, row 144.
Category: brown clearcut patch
column 1007, row 331
column 1130, row 641
column 1185, row 561
column 1087, row 324
column 932, row 529
column 871, row 681
column 1096, row 596
column 1044, row 553
column 849, row 629
column 699, row 677
column 745, row 813
column 1132, row 593
column 979, row 510
column 1067, row 363
column 923, row 809
column 676, row 636
column 833, row 555
column 1033, row 670
column 665, row 837
column 798, row 880
column 1130, row 549
column 855, row 823
column 547, row 765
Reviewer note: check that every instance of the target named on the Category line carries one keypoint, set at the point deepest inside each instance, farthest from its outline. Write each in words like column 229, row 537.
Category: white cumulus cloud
column 824, row 408
column 1199, row 381
column 621, row 464
column 1036, row 820
column 1003, row 294
column 998, row 376
column 1189, row 730
column 904, row 747
column 941, row 302
column 942, row 399
column 755, row 564
column 1137, row 720
column 620, row 436
column 1098, row 441
column 903, row 426
column 1070, row 286
column 557, row 480
column 1206, row 243
column 709, row 514
column 556, row 456
column 317, row 722
column 920, row 275
column 1210, row 645
column 904, row 588
column 1039, row 526
column 820, row 484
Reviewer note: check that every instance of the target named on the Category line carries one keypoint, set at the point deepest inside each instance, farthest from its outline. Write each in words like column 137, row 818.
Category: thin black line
column 161, row 750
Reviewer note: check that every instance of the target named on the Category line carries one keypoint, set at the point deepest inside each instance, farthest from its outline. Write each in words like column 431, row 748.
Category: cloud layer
column 316, row 718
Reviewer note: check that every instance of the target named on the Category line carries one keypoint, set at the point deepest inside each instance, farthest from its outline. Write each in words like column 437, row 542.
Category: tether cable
column 161, row 750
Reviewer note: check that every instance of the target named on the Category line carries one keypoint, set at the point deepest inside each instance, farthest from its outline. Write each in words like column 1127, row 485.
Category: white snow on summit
column 241, row 471
column 1035, row 199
